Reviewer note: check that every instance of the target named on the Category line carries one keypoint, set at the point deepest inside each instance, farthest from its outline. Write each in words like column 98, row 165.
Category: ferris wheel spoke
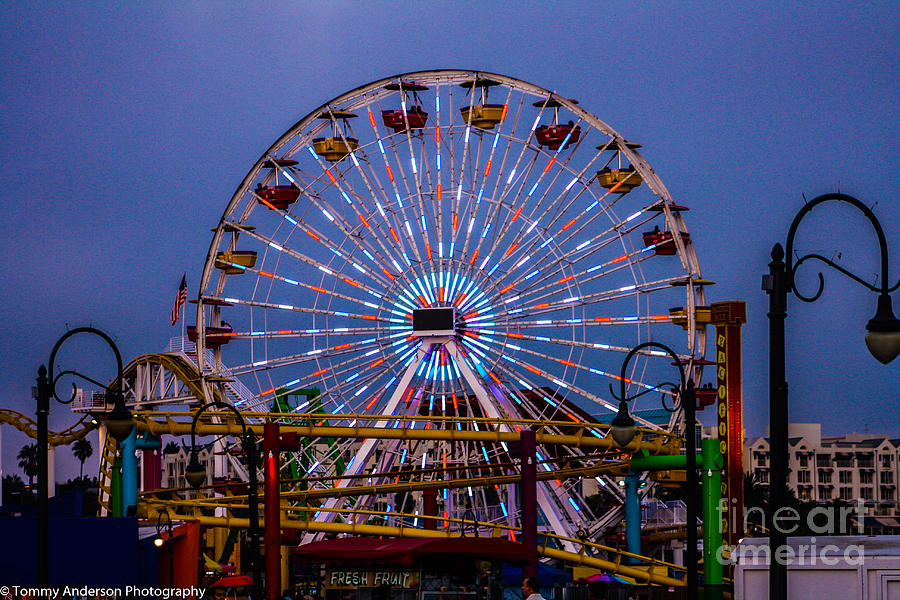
column 310, row 356
column 599, row 401
column 311, row 262
column 552, row 262
column 548, row 358
column 332, row 215
column 338, row 374
column 563, row 285
column 473, row 210
column 404, row 208
column 543, row 199
column 512, row 183
column 384, row 250
column 553, row 305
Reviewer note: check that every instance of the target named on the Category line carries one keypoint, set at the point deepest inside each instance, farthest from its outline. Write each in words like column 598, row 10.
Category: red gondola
column 397, row 119
column 706, row 396
column 553, row 136
column 278, row 196
column 665, row 245
column 215, row 336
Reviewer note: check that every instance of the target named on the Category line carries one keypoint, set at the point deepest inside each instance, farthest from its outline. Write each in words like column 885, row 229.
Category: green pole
column 711, row 470
column 710, row 461
column 116, row 489
column 660, row 463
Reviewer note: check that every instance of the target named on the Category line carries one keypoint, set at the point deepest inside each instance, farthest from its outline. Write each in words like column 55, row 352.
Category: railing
column 94, row 401
column 659, row 514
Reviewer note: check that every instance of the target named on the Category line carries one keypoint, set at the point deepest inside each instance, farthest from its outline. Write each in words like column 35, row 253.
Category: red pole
column 429, row 507
column 152, row 469
column 272, row 499
column 528, row 495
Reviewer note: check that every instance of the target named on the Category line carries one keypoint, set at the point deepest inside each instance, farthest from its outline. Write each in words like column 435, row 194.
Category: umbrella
column 608, row 578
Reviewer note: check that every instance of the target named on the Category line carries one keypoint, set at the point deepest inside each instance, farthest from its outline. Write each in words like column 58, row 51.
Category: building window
column 825, row 476
column 866, row 461
column 886, row 460
column 867, row 493
column 764, row 476
column 866, row 477
column 803, row 477
column 846, row 493
column 760, row 458
column 845, row 477
column 823, row 460
column 887, row 493
column 887, row 477
column 824, row 492
column 804, row 459
column 844, row 461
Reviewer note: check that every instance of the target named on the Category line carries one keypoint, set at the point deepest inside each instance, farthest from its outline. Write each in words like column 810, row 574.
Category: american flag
column 180, row 299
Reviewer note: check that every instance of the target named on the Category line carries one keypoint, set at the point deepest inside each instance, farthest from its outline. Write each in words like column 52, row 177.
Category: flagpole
column 182, row 326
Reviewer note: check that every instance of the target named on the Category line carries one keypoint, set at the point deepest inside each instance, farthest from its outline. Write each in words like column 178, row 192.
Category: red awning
column 232, row 581
column 405, row 551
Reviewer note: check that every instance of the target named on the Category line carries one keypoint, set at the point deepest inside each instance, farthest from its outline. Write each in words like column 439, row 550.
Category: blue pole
column 632, row 515
column 129, row 472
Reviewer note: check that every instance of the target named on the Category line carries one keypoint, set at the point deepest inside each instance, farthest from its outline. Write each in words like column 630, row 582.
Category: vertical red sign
column 728, row 317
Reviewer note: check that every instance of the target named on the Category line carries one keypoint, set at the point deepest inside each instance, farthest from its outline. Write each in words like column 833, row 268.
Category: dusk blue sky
column 126, row 127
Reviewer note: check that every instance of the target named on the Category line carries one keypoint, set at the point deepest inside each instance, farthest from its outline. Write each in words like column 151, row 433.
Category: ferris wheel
column 447, row 243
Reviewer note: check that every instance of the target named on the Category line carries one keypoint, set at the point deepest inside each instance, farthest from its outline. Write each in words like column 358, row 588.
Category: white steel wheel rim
column 339, row 273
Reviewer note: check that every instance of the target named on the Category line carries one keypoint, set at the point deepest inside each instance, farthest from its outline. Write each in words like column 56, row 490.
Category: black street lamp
column 120, row 428
column 623, row 431
column 882, row 339
column 196, row 475
column 158, row 542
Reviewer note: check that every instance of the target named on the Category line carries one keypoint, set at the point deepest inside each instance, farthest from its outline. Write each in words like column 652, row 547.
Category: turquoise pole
column 129, row 472
column 632, row 515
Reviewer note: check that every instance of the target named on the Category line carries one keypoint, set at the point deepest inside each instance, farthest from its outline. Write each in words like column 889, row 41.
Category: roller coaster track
column 650, row 571
column 27, row 425
column 148, row 380
column 155, row 379
column 585, row 435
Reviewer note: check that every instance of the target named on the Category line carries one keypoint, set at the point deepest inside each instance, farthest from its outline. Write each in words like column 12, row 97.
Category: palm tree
column 756, row 493
column 82, row 449
column 28, row 462
column 13, row 489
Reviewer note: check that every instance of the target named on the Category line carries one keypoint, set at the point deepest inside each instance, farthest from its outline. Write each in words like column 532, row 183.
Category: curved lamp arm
column 217, row 404
column 623, row 425
column 118, row 421
column 883, row 337
column 159, row 524
column 66, row 336
column 789, row 249
column 195, row 473
column 637, row 349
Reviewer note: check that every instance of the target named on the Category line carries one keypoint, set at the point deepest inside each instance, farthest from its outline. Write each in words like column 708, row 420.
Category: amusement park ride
column 407, row 280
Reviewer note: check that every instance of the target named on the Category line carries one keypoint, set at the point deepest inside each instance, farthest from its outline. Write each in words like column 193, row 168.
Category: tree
column 28, row 462
column 14, row 491
column 171, row 448
column 756, row 493
column 82, row 449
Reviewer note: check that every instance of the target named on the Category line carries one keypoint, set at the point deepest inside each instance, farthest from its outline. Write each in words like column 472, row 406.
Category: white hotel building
column 858, row 466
